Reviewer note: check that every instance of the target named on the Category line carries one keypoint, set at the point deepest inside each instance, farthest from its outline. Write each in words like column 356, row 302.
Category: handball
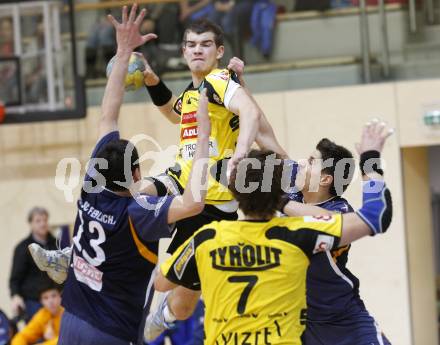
column 135, row 77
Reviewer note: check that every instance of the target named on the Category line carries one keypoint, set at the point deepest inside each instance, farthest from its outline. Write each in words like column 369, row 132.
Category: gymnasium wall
column 29, row 155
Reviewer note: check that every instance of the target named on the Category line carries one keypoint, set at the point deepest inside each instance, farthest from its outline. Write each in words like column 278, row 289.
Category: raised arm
column 192, row 201
column 250, row 115
column 127, row 38
column 376, row 212
column 375, row 215
column 265, row 137
column 161, row 96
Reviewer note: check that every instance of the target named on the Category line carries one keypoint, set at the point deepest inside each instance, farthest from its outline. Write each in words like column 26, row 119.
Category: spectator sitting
column 101, row 40
column 191, row 10
column 6, row 38
column 26, row 279
column 45, row 325
column 234, row 17
column 7, row 329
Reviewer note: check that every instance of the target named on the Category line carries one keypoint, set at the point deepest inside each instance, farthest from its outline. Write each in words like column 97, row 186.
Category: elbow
column 159, row 286
column 257, row 114
column 196, row 207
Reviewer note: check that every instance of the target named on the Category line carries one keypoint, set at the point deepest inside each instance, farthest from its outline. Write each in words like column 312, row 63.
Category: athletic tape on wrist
column 370, row 162
column 160, row 94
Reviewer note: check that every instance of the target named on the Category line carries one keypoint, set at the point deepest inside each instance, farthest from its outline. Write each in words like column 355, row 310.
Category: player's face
column 309, row 173
column 201, row 53
column 40, row 224
column 51, row 300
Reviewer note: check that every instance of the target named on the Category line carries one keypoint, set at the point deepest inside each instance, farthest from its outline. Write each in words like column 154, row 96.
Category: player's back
column 253, row 276
column 114, row 255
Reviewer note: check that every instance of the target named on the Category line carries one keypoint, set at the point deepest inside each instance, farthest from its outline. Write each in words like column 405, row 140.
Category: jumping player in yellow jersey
column 236, row 122
column 252, row 273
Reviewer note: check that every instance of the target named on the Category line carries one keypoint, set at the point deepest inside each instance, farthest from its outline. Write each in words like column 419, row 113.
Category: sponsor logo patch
column 188, row 133
column 319, row 219
column 183, row 260
column 87, row 274
column 323, row 243
column 189, row 117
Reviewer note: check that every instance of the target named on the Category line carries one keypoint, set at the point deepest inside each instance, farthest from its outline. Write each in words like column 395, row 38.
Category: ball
column 135, row 77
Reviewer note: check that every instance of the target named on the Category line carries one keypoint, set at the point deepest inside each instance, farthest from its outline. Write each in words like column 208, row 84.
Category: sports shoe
column 155, row 324
column 54, row 262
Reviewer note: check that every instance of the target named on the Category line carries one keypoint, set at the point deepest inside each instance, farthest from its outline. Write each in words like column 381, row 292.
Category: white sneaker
column 54, row 262
column 155, row 324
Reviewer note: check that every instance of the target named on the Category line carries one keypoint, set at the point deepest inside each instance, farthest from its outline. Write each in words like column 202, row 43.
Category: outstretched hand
column 128, row 36
column 374, row 135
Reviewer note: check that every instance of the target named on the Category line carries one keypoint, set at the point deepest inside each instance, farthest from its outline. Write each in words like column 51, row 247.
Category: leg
column 178, row 304
column 75, row 331
column 182, row 302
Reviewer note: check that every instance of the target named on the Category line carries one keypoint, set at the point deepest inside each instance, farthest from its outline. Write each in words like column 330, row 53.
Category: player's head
column 123, row 165
column 256, row 184
column 329, row 168
column 38, row 219
column 50, row 297
column 203, row 46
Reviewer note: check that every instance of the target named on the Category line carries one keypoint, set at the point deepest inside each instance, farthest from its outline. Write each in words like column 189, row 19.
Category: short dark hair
column 203, row 25
column 48, row 287
column 262, row 202
column 329, row 149
column 114, row 153
column 36, row 210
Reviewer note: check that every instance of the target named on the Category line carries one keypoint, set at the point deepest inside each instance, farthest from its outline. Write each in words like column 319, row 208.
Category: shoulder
column 23, row 244
column 219, row 75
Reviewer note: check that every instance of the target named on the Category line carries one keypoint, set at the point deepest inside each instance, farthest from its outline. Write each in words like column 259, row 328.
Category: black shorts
column 188, row 226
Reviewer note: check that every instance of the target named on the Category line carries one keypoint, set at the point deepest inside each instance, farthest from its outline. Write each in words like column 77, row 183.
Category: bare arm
column 127, row 38
column 298, row 209
column 265, row 137
column 250, row 115
column 167, row 110
column 377, row 206
column 161, row 283
column 192, row 201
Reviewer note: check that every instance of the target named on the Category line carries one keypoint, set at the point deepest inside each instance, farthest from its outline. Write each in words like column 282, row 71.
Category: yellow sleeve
column 181, row 267
column 33, row 331
column 177, row 106
column 216, row 84
column 53, row 341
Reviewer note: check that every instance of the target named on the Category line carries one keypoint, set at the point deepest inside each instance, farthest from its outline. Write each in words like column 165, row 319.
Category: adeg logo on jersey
column 188, row 133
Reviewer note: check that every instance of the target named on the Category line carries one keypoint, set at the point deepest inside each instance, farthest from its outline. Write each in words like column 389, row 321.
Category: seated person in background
column 100, row 41
column 192, row 10
column 234, row 18
column 26, row 279
column 45, row 325
column 7, row 329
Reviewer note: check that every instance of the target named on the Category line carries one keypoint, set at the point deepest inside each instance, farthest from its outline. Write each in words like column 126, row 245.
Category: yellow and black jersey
column 224, row 131
column 253, row 275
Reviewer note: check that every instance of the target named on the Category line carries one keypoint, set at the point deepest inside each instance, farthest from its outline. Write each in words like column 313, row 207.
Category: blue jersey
column 114, row 255
column 331, row 287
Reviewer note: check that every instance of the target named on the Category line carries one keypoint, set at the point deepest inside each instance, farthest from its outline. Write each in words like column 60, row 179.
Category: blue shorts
column 360, row 329
column 75, row 331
